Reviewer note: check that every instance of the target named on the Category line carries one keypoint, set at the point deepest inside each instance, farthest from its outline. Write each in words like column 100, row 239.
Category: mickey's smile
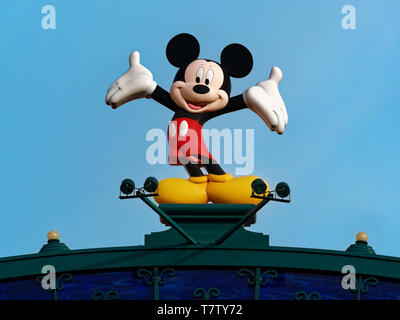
column 196, row 106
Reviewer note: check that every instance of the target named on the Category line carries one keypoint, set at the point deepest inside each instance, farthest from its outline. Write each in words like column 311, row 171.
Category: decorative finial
column 362, row 236
column 53, row 235
column 53, row 244
column 361, row 245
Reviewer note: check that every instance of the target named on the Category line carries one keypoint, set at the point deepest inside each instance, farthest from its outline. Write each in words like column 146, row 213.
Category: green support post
column 167, row 218
column 242, row 221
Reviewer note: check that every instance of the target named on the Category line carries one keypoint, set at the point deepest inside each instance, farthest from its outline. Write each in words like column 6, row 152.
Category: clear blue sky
column 64, row 152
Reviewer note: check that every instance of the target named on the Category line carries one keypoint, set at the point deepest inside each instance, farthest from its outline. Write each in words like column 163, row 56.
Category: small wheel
column 151, row 184
column 127, row 186
column 259, row 186
column 282, row 189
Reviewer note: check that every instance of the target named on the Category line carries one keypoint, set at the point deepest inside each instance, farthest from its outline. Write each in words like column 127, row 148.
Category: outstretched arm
column 235, row 103
column 265, row 100
column 136, row 83
column 163, row 97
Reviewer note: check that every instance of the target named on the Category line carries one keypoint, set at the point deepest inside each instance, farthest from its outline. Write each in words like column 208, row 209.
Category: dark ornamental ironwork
column 109, row 295
column 155, row 278
column 206, row 294
column 302, row 295
column 257, row 278
column 362, row 285
column 67, row 277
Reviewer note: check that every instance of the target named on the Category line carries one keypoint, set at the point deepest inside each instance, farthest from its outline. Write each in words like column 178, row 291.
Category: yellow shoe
column 176, row 190
column 227, row 189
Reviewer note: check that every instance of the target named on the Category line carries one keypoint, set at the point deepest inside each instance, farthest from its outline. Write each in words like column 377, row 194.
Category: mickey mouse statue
column 201, row 91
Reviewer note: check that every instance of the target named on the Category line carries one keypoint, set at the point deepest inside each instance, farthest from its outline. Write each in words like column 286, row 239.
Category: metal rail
column 162, row 214
column 242, row 221
column 265, row 200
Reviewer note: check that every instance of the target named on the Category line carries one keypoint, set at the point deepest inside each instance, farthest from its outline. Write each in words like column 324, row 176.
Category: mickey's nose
column 201, row 88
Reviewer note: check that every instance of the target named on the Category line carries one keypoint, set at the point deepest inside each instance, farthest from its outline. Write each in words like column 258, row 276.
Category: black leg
column 194, row 170
column 214, row 168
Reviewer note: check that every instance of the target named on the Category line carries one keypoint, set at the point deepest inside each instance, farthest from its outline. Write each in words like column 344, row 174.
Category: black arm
column 235, row 103
column 162, row 96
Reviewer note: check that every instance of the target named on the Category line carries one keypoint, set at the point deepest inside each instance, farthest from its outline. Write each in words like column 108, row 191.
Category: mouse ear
column 182, row 49
column 236, row 60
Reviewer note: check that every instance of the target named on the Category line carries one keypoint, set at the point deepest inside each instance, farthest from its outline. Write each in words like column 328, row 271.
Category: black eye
column 199, row 74
column 209, row 76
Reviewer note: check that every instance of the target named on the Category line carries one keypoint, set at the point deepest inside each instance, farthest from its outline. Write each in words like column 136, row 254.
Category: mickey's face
column 201, row 89
column 203, row 85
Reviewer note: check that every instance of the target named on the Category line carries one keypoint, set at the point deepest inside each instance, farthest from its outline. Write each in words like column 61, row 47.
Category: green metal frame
column 239, row 248
column 199, row 256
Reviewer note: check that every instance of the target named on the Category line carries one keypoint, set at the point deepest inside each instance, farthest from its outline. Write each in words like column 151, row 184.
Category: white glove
column 136, row 83
column 265, row 100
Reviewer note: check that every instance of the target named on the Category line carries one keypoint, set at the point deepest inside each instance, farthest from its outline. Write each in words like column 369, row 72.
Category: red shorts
column 186, row 143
